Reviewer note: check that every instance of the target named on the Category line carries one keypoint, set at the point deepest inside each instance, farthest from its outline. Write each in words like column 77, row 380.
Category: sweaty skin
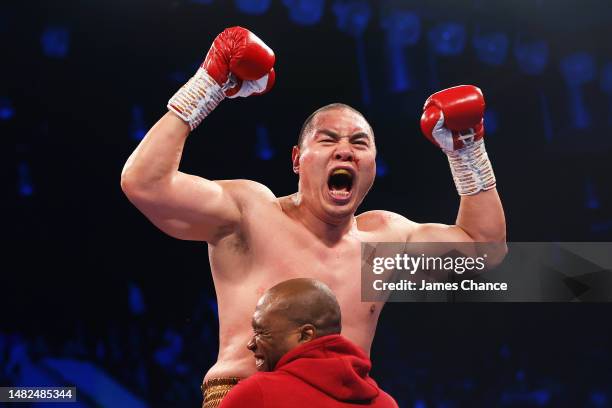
column 256, row 240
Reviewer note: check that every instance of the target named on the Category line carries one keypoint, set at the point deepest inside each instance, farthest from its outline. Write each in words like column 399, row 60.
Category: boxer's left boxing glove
column 237, row 64
column 453, row 120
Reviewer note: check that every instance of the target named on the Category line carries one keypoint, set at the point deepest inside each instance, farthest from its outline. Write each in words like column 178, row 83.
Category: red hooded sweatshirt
column 328, row 372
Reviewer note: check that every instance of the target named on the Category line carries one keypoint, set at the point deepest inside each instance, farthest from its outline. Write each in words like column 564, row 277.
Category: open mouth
column 340, row 184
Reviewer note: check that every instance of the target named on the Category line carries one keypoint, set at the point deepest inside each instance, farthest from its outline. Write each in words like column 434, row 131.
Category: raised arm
column 453, row 120
column 182, row 205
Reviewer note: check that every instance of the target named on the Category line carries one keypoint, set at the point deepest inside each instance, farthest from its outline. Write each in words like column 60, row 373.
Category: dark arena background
column 94, row 296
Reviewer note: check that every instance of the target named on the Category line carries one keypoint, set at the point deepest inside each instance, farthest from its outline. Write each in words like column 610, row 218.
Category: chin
column 339, row 213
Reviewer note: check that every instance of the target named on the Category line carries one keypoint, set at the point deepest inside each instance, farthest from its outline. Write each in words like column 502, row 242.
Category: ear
column 307, row 333
column 295, row 159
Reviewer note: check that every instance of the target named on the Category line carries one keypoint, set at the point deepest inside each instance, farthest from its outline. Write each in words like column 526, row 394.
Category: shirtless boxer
column 256, row 240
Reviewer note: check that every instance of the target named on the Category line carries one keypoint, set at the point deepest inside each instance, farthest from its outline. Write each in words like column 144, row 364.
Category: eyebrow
column 336, row 136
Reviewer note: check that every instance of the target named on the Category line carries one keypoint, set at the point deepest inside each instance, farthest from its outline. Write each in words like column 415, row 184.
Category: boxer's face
column 336, row 163
column 273, row 336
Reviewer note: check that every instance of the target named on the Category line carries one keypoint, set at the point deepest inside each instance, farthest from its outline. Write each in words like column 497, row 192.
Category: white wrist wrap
column 196, row 99
column 471, row 169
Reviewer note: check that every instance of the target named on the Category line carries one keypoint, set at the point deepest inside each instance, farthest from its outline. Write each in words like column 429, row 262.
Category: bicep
column 401, row 229
column 432, row 232
column 192, row 208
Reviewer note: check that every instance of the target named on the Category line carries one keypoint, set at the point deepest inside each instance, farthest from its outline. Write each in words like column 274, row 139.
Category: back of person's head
column 291, row 313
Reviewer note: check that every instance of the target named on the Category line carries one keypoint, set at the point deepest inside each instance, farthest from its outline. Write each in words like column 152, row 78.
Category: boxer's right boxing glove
column 237, row 64
column 453, row 120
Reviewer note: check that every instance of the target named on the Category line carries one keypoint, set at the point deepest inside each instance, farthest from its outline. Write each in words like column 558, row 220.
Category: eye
column 259, row 333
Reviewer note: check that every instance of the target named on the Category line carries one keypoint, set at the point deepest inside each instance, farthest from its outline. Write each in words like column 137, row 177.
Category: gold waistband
column 215, row 389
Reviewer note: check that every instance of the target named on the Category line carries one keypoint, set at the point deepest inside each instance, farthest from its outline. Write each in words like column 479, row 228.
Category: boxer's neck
column 329, row 231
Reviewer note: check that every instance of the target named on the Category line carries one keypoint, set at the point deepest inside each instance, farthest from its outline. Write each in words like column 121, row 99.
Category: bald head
column 304, row 301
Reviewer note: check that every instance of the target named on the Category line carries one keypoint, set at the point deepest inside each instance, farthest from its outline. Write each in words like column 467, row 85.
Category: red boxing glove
column 237, row 59
column 237, row 64
column 453, row 120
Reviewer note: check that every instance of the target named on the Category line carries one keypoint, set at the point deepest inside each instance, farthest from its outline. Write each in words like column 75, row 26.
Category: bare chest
column 285, row 249
column 272, row 248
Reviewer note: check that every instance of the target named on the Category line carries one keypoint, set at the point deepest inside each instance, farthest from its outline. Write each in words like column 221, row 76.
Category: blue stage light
column 578, row 69
column 447, row 39
column 599, row 399
column 305, row 12
column 491, row 48
column 402, row 28
column 135, row 300
column 491, row 120
column 264, row 149
column 420, row 404
column 6, row 109
column 167, row 355
column 213, row 306
column 382, row 169
column 531, row 57
column 255, row 7
column 55, row 41
column 540, row 397
column 138, row 129
column 352, row 16
column 591, row 200
column 24, row 180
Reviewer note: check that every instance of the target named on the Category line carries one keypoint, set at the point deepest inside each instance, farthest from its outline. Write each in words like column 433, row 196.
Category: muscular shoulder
column 247, row 191
column 391, row 226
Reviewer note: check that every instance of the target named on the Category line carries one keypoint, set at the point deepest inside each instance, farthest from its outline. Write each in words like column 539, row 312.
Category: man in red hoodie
column 301, row 358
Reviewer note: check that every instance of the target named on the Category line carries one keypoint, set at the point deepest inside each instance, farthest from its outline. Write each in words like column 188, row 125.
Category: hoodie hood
column 333, row 365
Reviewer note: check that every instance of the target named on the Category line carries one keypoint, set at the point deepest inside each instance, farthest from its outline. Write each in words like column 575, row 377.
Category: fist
column 240, row 63
column 453, row 118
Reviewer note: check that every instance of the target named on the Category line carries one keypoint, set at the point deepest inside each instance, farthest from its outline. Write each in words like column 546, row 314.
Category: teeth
column 340, row 193
column 259, row 362
column 341, row 171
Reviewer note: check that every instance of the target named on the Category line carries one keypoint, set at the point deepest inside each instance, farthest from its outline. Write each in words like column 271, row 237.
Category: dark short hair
column 336, row 105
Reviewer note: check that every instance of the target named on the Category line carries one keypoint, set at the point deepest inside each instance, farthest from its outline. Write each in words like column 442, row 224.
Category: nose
column 251, row 344
column 344, row 153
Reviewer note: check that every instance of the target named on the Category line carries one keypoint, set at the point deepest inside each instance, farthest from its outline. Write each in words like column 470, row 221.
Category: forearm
column 156, row 159
column 481, row 216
